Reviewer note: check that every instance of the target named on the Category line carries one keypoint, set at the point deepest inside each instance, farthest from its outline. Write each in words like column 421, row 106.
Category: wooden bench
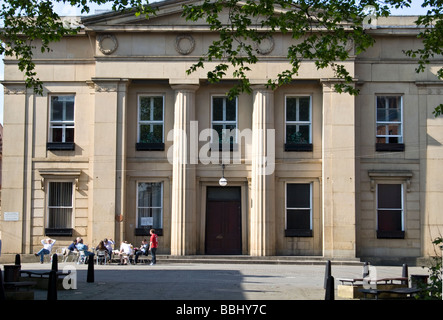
column 405, row 292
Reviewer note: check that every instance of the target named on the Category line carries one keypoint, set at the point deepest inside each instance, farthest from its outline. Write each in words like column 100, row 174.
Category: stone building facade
column 123, row 139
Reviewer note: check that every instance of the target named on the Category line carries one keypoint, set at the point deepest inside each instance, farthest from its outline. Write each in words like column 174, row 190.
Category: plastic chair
column 101, row 256
column 82, row 257
column 73, row 254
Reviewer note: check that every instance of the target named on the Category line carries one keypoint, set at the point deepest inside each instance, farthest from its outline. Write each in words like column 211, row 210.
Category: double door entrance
column 223, row 221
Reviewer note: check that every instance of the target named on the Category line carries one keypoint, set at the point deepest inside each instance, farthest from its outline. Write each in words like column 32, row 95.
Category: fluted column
column 262, row 236
column 183, row 237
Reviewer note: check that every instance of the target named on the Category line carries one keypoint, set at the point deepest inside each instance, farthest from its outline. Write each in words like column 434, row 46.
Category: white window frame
column 311, row 211
column 386, row 123
column 63, row 124
column 298, row 122
column 161, row 199
column 223, row 122
column 151, row 122
column 48, row 207
column 402, row 209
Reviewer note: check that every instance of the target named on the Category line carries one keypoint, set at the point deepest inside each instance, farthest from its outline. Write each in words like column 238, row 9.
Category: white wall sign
column 10, row 216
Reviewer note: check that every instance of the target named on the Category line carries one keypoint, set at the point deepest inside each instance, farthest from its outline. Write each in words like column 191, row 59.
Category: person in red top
column 153, row 244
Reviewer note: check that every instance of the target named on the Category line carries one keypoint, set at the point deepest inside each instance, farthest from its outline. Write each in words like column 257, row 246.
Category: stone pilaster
column 108, row 161
column 338, row 161
column 16, row 169
column 183, row 226
column 262, row 220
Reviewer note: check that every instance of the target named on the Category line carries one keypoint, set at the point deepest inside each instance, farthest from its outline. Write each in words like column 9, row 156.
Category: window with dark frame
column 149, row 207
column 390, row 213
column 150, row 123
column 60, row 208
column 389, row 127
column 298, row 210
column 298, row 119
column 61, row 123
column 224, row 121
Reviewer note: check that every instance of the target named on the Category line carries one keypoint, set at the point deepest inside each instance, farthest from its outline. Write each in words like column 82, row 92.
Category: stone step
column 228, row 259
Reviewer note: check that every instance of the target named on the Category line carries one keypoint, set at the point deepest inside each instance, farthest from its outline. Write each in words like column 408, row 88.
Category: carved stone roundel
column 107, row 44
column 184, row 44
column 265, row 46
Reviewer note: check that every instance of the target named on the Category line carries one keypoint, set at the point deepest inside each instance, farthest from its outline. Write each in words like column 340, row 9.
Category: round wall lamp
column 223, row 182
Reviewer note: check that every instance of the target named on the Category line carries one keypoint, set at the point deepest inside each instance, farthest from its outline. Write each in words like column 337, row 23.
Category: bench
column 398, row 291
column 354, row 281
column 350, row 287
column 16, row 285
column 40, row 279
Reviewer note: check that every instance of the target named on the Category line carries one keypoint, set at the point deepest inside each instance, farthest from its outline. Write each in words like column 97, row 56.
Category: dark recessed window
column 298, row 210
column 390, row 214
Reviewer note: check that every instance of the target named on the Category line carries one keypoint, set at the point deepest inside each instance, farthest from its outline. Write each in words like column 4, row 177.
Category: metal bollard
column 330, row 293
column 90, row 277
column 365, row 269
column 2, row 288
column 52, row 285
column 54, row 266
column 404, row 273
column 17, row 259
column 327, row 273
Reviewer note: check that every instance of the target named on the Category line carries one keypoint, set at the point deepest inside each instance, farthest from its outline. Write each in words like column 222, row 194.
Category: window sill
column 224, row 147
column 392, row 147
column 305, row 147
column 58, row 232
column 388, row 234
column 298, row 233
column 143, row 146
column 144, row 231
column 64, row 146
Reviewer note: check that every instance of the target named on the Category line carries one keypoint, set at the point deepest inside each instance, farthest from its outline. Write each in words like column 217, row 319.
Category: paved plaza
column 205, row 281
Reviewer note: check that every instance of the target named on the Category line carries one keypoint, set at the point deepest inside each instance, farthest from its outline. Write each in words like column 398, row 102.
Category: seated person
column 82, row 247
column 143, row 250
column 70, row 249
column 47, row 247
column 126, row 252
column 108, row 244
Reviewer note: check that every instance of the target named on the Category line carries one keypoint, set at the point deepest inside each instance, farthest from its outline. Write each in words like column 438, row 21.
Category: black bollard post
column 365, row 270
column 17, row 259
column 54, row 262
column 90, row 277
column 52, row 285
column 329, row 294
column 327, row 273
column 2, row 288
column 404, row 273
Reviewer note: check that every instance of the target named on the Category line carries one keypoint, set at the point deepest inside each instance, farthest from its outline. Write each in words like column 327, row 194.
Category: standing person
column 47, row 247
column 153, row 244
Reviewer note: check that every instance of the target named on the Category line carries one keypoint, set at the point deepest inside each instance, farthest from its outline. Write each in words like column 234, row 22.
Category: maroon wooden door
column 223, row 223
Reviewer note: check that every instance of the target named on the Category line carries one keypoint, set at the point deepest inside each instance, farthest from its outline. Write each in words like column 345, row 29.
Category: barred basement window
column 60, row 205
